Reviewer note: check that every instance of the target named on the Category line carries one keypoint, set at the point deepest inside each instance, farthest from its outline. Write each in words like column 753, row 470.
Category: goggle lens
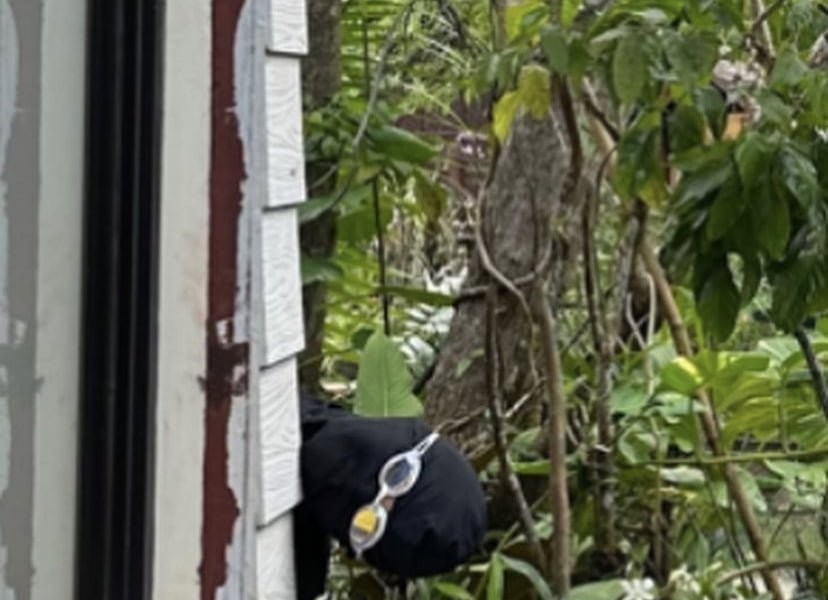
column 367, row 527
column 399, row 473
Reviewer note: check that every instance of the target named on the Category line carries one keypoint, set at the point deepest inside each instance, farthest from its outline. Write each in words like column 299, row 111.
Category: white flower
column 638, row 589
column 683, row 581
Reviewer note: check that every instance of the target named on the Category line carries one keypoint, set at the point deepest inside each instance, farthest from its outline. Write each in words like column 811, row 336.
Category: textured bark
column 321, row 77
column 522, row 204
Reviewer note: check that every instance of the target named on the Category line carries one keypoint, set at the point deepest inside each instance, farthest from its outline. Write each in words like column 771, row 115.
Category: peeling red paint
column 226, row 175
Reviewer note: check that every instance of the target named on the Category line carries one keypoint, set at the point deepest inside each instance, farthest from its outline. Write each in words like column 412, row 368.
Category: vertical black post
column 120, row 300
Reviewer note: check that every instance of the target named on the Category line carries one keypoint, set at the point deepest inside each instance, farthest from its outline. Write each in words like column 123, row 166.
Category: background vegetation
column 588, row 241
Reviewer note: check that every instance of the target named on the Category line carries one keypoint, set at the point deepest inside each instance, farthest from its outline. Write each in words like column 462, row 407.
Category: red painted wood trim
column 227, row 173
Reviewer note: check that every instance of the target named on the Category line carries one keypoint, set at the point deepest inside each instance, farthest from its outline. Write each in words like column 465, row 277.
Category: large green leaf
column 419, row 295
column 504, row 112
column 316, row 269
column 522, row 14
column 534, row 90
column 603, row 590
column 692, row 55
column 398, row 144
column 718, row 303
column 451, row 590
column 629, row 69
column 726, row 210
column 788, row 69
column 771, row 220
column 687, row 128
column 314, row 207
column 681, row 375
column 708, row 178
column 494, row 588
column 383, row 382
column 555, row 48
column 754, row 158
column 531, row 573
column 799, row 176
column 638, row 160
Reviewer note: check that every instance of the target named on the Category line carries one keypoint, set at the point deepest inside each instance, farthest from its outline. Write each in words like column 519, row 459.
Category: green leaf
column 771, row 221
column 752, row 489
column 629, row 69
column 754, row 157
column 603, row 590
column 494, row 588
column 431, row 196
column 398, row 144
column 360, row 225
column 383, row 382
column 530, row 573
column 504, row 113
column 799, row 176
column 638, row 162
column 535, row 467
column 788, row 70
column 718, row 303
column 569, row 10
column 681, row 375
column 774, row 109
column 712, row 106
column 451, row 590
column 685, row 476
column 311, row 209
column 520, row 14
column 726, row 210
column 534, row 90
column 692, row 55
column 687, row 129
column 418, row 295
column 708, row 178
column 555, row 48
column 316, row 269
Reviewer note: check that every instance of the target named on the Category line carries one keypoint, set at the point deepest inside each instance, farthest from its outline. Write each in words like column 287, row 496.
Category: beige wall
column 42, row 66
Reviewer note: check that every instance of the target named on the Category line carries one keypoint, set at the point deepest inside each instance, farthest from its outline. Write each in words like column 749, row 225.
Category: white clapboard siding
column 283, row 328
column 285, row 155
column 288, row 26
column 279, row 440
column 274, row 551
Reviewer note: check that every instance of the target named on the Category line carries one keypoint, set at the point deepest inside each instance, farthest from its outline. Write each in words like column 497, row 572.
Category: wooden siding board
column 279, row 440
column 284, row 329
column 288, row 26
column 285, row 153
column 275, row 572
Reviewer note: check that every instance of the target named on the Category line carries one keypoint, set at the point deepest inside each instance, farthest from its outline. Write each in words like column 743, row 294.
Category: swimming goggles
column 396, row 478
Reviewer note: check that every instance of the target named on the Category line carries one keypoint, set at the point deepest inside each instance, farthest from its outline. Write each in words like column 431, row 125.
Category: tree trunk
column 321, row 78
column 522, row 205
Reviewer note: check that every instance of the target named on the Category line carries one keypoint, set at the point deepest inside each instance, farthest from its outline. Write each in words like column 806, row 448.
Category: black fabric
column 438, row 525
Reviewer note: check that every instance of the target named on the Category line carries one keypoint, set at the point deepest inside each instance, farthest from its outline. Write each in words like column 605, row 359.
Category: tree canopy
column 589, row 242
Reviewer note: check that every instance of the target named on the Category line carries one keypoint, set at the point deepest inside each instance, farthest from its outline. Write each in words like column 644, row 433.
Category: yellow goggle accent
column 366, row 520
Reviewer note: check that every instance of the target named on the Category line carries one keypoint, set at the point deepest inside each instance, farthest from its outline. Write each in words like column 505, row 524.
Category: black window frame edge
column 119, row 331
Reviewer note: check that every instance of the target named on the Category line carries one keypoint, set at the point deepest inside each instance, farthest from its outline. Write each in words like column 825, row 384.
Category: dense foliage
column 691, row 326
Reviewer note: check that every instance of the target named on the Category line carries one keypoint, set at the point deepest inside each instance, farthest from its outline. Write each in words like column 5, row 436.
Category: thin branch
column 496, row 417
column 591, row 105
column 770, row 566
column 495, row 274
column 605, row 494
column 556, row 400
column 814, row 368
column 764, row 15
